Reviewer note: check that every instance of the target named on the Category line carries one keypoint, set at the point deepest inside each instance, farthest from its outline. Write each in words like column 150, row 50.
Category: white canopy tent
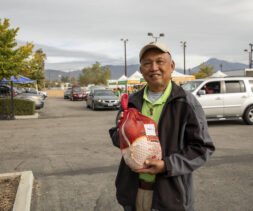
column 219, row 74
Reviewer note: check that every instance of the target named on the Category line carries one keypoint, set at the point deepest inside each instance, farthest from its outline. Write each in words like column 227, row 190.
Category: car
column 76, row 94
column 36, row 98
column 66, row 94
column 35, row 91
column 224, row 98
column 18, row 92
column 5, row 90
column 102, row 98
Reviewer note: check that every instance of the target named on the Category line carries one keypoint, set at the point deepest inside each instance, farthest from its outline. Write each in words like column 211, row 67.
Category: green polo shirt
column 157, row 108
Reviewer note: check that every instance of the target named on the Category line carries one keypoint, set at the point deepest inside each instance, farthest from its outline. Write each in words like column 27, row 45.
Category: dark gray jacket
column 186, row 145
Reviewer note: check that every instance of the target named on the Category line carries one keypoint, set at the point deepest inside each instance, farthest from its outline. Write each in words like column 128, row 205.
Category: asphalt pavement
column 74, row 162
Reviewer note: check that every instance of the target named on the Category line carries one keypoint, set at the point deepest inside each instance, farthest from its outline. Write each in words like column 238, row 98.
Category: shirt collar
column 164, row 96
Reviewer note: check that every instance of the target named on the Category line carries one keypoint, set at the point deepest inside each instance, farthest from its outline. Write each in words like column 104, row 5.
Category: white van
column 224, row 98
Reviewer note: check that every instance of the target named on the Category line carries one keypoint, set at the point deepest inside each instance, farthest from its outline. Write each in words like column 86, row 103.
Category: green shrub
column 21, row 106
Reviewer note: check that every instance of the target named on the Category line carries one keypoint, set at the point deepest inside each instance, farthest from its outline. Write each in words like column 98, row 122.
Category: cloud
column 92, row 29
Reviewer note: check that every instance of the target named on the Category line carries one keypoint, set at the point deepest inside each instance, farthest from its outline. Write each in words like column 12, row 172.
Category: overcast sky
column 88, row 31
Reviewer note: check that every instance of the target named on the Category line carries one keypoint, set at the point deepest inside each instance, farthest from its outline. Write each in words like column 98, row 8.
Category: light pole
column 125, row 41
column 184, row 46
column 220, row 67
column 160, row 35
column 250, row 54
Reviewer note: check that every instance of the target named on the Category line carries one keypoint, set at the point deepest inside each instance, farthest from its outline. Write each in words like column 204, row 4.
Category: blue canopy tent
column 19, row 80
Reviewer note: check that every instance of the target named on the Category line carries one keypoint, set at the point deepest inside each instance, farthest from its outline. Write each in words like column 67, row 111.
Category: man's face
column 156, row 68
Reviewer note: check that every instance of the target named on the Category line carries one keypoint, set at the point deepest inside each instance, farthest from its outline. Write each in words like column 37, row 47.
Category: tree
column 204, row 71
column 65, row 79
column 94, row 75
column 73, row 80
column 37, row 67
column 12, row 58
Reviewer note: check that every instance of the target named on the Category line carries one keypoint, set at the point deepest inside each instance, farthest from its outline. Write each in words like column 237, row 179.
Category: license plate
column 80, row 95
column 110, row 104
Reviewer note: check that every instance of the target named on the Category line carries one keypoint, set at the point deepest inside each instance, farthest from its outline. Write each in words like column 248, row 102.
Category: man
column 182, row 128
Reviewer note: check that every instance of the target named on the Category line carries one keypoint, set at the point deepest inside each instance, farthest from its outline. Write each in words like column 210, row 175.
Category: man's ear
column 172, row 64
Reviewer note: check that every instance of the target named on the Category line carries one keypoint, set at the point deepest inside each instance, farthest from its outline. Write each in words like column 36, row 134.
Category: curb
column 34, row 116
column 24, row 192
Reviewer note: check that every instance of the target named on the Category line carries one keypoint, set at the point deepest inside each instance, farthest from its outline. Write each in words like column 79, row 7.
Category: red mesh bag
column 138, row 136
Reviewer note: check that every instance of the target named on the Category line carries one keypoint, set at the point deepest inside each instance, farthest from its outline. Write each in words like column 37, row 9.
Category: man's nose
column 154, row 66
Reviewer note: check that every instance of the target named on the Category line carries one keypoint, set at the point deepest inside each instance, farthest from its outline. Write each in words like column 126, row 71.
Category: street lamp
column 250, row 54
column 184, row 46
column 125, row 41
column 151, row 35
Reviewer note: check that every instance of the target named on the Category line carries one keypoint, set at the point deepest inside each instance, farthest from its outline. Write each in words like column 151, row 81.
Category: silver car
column 224, row 98
column 102, row 98
column 36, row 98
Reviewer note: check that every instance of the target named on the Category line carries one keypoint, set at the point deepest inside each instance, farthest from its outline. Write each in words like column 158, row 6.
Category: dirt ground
column 8, row 190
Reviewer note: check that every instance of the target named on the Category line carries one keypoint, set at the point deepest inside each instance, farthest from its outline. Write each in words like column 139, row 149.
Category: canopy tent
column 122, row 80
column 19, row 80
column 180, row 78
column 16, row 80
column 112, row 82
column 219, row 74
column 135, row 78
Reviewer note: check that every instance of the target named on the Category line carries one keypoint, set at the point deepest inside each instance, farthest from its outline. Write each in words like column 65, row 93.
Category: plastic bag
column 138, row 136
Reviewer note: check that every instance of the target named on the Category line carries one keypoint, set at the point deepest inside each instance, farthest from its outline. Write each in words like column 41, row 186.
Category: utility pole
column 220, row 67
column 184, row 46
column 156, row 37
column 250, row 54
column 125, row 41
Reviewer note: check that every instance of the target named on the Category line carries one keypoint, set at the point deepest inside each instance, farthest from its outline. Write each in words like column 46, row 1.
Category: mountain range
column 119, row 70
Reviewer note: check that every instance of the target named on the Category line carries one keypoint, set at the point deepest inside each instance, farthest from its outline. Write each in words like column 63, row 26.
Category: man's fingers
column 153, row 167
column 120, row 117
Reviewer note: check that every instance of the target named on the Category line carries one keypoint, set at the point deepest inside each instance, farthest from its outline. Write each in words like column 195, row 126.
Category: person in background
column 167, row 184
column 208, row 90
column 118, row 93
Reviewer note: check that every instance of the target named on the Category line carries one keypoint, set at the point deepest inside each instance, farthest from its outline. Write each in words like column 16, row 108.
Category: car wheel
column 93, row 106
column 248, row 116
column 87, row 106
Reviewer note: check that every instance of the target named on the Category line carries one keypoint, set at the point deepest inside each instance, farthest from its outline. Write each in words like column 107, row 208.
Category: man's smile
column 154, row 76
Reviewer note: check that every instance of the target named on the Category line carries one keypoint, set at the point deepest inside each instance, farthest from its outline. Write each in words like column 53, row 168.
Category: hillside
column 119, row 70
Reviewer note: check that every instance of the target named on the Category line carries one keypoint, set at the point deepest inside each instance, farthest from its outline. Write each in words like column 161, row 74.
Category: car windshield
column 191, row 85
column 103, row 93
column 77, row 90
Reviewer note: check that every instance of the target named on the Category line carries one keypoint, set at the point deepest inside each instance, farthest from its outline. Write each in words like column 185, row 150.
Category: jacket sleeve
column 114, row 131
column 198, row 143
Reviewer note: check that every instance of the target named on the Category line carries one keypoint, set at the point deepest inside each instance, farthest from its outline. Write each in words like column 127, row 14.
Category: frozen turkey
column 139, row 140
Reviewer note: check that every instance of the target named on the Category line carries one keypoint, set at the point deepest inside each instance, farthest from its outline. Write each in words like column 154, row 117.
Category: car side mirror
column 201, row 92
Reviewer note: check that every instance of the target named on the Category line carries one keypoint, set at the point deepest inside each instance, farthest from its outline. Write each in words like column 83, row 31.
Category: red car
column 77, row 94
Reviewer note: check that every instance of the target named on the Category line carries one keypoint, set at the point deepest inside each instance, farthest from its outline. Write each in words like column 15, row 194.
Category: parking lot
column 74, row 162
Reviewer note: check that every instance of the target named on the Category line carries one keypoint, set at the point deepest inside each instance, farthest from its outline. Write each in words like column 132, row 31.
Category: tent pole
column 12, row 102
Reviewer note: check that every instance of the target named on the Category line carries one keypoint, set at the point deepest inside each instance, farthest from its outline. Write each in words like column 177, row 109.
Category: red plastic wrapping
column 138, row 139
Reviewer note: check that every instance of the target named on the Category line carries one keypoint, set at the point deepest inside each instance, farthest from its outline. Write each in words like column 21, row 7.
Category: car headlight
column 99, row 100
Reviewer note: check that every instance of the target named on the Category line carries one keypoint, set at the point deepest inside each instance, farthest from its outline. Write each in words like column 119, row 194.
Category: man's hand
column 120, row 118
column 153, row 167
